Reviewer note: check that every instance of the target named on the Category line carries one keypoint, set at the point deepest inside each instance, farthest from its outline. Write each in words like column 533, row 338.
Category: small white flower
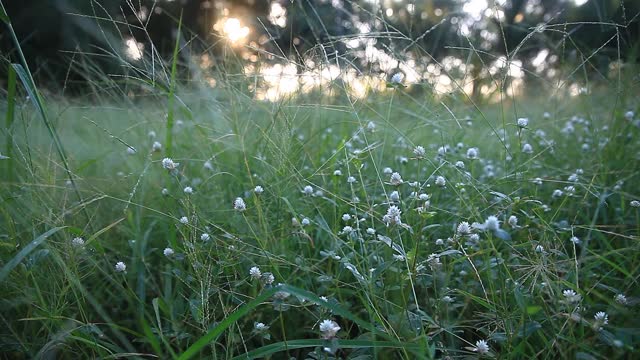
column 151, row 134
column 571, row 296
column 165, row 191
column 492, row 223
column 184, row 220
column 573, row 178
column 557, row 193
column 394, row 196
column 396, row 78
column 255, row 272
column 258, row 190
column 439, row 242
column 523, row 122
column 527, row 149
column 621, row 299
column 168, row 252
column 601, row 318
column 120, row 266
column 156, row 146
column 635, row 203
column 205, row 237
column 239, row 205
column 306, row 221
column 329, row 328
column 423, row 197
column 570, row 190
column 575, row 240
column 77, row 242
column 371, row 231
column 481, row 347
column 440, row 181
column 419, row 152
column 472, row 153
column 371, row 126
column 513, row 221
column 537, row 181
column 131, row 150
column 398, row 257
column 460, row 164
column 351, row 179
column 395, row 179
column 208, row 165
column 347, row 230
column 188, row 190
column 168, row 164
column 268, row 278
column 629, row 115
column 346, row 217
column 540, row 249
column 392, row 216
column 337, row 173
column 260, row 327
column 387, row 171
column 463, row 228
column 546, row 115
column 307, row 190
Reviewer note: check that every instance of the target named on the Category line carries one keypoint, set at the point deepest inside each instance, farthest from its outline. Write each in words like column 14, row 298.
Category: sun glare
column 232, row 29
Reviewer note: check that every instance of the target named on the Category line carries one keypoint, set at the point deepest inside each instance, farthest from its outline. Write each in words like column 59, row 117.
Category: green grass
column 390, row 296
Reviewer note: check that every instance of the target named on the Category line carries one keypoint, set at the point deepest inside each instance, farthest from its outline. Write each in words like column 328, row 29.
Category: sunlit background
column 479, row 48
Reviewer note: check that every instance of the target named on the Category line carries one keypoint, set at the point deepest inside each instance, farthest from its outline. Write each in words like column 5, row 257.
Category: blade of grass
column 307, row 343
column 11, row 102
column 25, row 251
column 172, row 90
column 24, row 73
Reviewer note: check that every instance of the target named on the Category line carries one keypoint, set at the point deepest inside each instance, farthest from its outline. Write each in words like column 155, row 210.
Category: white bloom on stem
column 120, row 266
column 601, row 318
column 463, row 228
column 482, row 347
column 307, row 190
column 635, row 203
column 184, row 220
column 188, row 190
column 527, row 149
column 77, row 242
column 255, row 272
column 346, row 217
column 168, row 252
column 621, row 299
column 492, row 223
column 258, row 190
column 205, row 237
column 571, row 296
column 169, row 164
column 523, row 122
column 513, row 221
column 392, row 216
column 329, row 328
column 394, row 196
column 351, row 179
column 395, row 179
column 239, row 205
column 337, row 173
column 260, row 327
column 306, row 221
column 396, row 78
column 156, row 146
column 419, row 152
column 472, row 153
column 440, row 181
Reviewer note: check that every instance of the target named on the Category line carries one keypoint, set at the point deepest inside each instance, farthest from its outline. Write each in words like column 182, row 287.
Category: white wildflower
column 77, row 242
column 557, row 193
column 629, row 115
column 307, row 190
column 268, row 278
column 621, row 299
column 492, row 223
column 396, row 78
column 463, row 228
column 305, row 221
column 258, row 190
column 239, row 205
column 131, row 150
column 351, row 180
column 387, row 171
column 255, row 272
column 371, row 231
column 396, row 179
column 419, row 152
column 481, row 347
column 575, row 240
column 120, row 266
column 460, row 164
column 527, row 149
column 635, row 203
column 329, row 328
column 571, row 296
column 523, row 122
column 168, row 164
column 156, row 146
column 188, row 190
column 337, row 173
column 440, row 181
column 168, row 252
column 392, row 216
column 184, row 220
column 601, row 318
column 472, row 153
column 260, row 327
column 394, row 196
column 205, row 237
column 513, row 221
column 346, row 217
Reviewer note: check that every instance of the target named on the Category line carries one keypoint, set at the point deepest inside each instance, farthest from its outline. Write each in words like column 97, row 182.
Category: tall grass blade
column 172, row 90
column 25, row 251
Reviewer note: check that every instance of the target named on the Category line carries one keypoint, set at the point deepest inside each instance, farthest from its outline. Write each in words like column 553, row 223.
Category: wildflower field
column 188, row 221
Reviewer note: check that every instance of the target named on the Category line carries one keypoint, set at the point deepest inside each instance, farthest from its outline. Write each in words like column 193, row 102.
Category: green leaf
column 3, row 14
column 25, row 251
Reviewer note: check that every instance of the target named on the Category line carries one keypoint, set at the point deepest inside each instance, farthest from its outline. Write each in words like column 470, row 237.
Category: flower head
column 635, row 203
column 481, row 347
column 351, row 179
column 77, row 242
column 239, row 205
column 419, row 152
column 184, row 220
column 396, row 78
column 120, row 266
column 492, row 223
column 188, row 190
column 156, row 146
column 307, row 190
column 329, row 328
column 571, row 296
column 395, row 179
column 168, row 252
column 621, row 299
column 523, row 122
column 440, row 181
column 463, row 228
column 392, row 216
column 260, row 327
column 255, row 272
column 258, row 190
column 472, row 153
column 168, row 164
column 527, row 149
column 337, row 173
column 205, row 237
column 601, row 318
column 513, row 221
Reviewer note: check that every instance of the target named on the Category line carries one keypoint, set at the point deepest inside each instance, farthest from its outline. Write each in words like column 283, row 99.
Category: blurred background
column 480, row 47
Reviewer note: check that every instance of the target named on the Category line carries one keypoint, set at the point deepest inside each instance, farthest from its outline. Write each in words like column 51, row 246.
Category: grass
column 419, row 288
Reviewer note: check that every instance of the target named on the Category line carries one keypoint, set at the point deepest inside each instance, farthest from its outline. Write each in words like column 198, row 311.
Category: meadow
column 196, row 222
